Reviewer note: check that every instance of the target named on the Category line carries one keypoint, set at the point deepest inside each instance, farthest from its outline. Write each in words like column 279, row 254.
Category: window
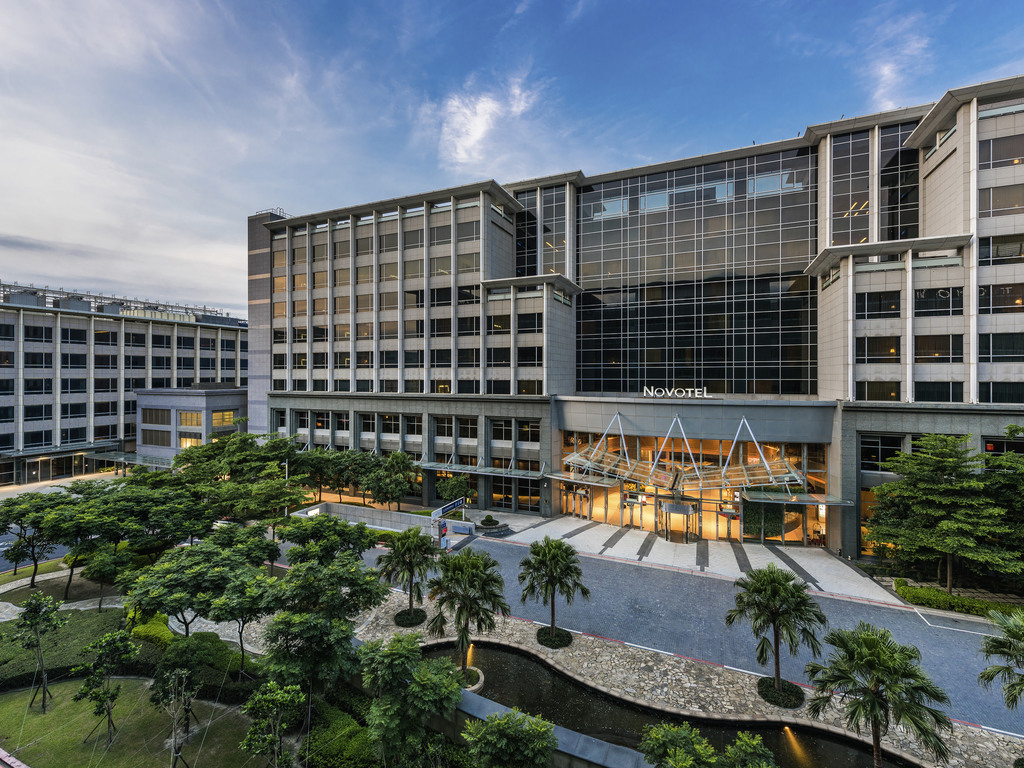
column 530, row 357
column 389, row 358
column 73, row 386
column 298, row 255
column 300, row 360
column 299, row 282
column 160, row 416
column 388, row 329
column 999, row 445
column 302, row 419
column 163, row 362
column 499, row 357
column 280, row 309
column 7, row 386
column 364, row 275
column 530, row 387
column 466, row 231
column 469, row 326
column 467, row 262
column 138, row 362
column 1000, row 299
column 440, row 327
column 939, row 391
column 1008, row 249
column 105, row 408
column 39, row 438
column 467, row 429
column 1001, row 348
column 877, row 349
column 73, row 435
column 319, row 333
column 45, row 360
column 38, row 333
column 342, row 276
column 501, row 492
column 6, row 332
column 414, row 358
column 440, row 297
column 440, row 235
column 501, row 429
column 101, row 385
column 319, row 360
column 222, row 418
column 444, row 426
column 38, row 386
column 468, row 387
column 440, row 265
column 320, row 279
column 364, row 331
column 298, row 307
column 469, row 296
column 1001, row 391
column 190, row 419
column 78, row 410
column 319, row 306
column 413, row 299
column 341, row 421
column 130, row 385
column 364, row 302
column 413, row 268
column 342, row 331
column 469, row 358
column 878, row 390
column 876, row 449
column 499, row 387
column 73, row 335
column 528, row 431
column 499, row 325
column 413, row 385
column 7, row 359
column 280, row 361
column 388, row 242
column 390, row 423
column 413, row 239
column 413, row 329
column 530, row 322
column 364, row 359
column 364, row 246
column 1000, row 153
column 38, row 412
column 156, row 437
column 937, row 302
column 389, row 300
column 440, row 358
column 135, row 339
column 413, row 425
column 945, row 348
column 280, row 258
column 1001, row 201
column 877, row 304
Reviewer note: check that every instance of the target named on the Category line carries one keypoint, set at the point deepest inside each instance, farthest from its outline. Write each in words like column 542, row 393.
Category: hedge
column 155, row 631
column 930, row 597
column 338, row 741
column 351, row 700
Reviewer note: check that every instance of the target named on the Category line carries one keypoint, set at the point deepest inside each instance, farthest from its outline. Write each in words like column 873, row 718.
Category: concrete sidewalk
column 820, row 568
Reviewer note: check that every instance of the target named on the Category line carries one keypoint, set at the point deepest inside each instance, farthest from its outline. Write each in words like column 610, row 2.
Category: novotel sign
column 691, row 393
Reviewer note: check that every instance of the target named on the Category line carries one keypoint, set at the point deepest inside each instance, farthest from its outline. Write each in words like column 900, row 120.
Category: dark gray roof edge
column 816, row 133
column 576, row 177
column 953, row 99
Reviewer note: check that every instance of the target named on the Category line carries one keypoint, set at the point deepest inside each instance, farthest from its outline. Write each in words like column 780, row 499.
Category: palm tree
column 879, row 682
column 470, row 586
column 411, row 559
column 771, row 598
column 1010, row 649
column 552, row 568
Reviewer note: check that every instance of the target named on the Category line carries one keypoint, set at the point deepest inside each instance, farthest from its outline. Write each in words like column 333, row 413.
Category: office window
column 440, row 265
column 1001, row 152
column 299, row 282
column 944, row 348
column 468, row 387
column 444, row 426
column 320, row 279
column 530, row 387
column 877, row 449
column 414, row 299
column 530, row 322
column 413, row 329
column 7, row 387
column 499, row 387
column 44, row 437
column 499, row 357
column 98, row 385
column 440, row 235
column 6, row 414
column 530, row 357
column 78, row 410
column 135, row 339
column 364, row 302
column 104, row 408
column 280, row 361
column 440, row 358
column 38, row 412
column 7, row 359
column 73, row 335
column 160, row 416
column 222, row 418
column 341, row 421
column 45, row 360
column 389, row 358
column 877, row 304
column 364, row 331
column 6, row 332
column 319, row 306
column 467, row 429
column 163, row 362
column 319, row 360
column 1008, row 249
column 132, row 384
column 469, row 326
column 280, row 309
column 501, row 429
column 364, row 359
column 342, row 276
column 298, row 307
column 280, row 284
column 1001, row 348
column 469, row 358
column 1001, row 298
column 413, row 385
column 413, row 425
column 466, row 231
column 939, row 391
column 413, row 268
column 440, row 297
column 364, row 275
column 389, row 300
column 187, row 441
column 280, row 259
column 388, row 242
column 938, row 302
column 877, row 349
column 298, row 255
column 469, row 296
column 279, row 385
column 1001, row 391
column 414, row 358
column 850, row 187
column 190, row 419
column 38, row 334
column 467, row 262
column 388, row 329
column 1001, row 201
column 342, row 331
column 877, row 390
column 390, row 423
column 527, row 431
column 440, row 327
column 412, row 238
column 73, row 435
column 300, row 360
column 156, row 437
column 440, row 386
column 499, row 325
column 319, row 333
column 38, row 386
column 342, row 304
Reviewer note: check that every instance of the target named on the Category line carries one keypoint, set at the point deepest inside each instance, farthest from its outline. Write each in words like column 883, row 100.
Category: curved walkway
column 684, row 686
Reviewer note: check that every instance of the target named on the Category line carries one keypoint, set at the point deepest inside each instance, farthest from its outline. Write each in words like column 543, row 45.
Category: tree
column 272, row 709
column 244, row 599
column 1004, row 481
column 470, row 587
column 113, row 651
column 453, row 487
column 249, row 541
column 316, row 466
column 510, row 740
column 748, row 751
column 75, row 526
column 410, row 560
column 407, row 691
column 39, row 617
column 877, row 682
column 676, row 746
column 771, row 598
column 552, row 568
column 106, row 566
column 322, row 537
column 23, row 515
column 940, row 505
column 360, row 465
column 1009, row 649
column 174, row 690
column 385, row 487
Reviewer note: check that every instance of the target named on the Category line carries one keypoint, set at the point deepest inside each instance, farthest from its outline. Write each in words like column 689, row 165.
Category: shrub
column 930, row 597
column 338, row 741
column 470, row 677
column 413, row 618
column 155, row 631
column 790, row 697
column 488, row 522
column 351, row 700
column 560, row 639
column 385, row 537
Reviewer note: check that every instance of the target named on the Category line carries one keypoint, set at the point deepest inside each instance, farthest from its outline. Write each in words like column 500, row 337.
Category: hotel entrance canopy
column 780, row 497
column 600, row 459
column 474, row 469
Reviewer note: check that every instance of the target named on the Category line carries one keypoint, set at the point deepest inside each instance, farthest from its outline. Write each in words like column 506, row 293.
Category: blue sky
column 135, row 138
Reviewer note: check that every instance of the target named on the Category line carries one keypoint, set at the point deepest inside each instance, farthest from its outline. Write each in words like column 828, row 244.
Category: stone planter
column 476, row 687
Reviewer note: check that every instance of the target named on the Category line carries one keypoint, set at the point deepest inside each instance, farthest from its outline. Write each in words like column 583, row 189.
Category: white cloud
column 895, row 53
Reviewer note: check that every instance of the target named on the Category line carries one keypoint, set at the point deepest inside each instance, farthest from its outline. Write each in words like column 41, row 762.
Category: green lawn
column 24, row 571
column 81, row 589
column 54, row 740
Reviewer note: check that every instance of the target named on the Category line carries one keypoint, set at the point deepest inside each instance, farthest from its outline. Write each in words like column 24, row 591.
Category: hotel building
column 726, row 345
column 73, row 364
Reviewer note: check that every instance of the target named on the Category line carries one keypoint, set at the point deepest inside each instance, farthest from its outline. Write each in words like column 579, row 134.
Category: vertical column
column 846, row 265
column 971, row 261
column 873, row 185
column 908, row 396
column 57, row 420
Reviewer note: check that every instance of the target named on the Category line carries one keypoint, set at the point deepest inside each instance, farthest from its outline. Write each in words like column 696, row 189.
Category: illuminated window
column 190, row 419
column 223, row 418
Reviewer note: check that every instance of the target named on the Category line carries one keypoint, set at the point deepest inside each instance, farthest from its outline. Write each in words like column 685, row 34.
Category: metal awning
column 132, row 458
column 580, row 479
column 471, row 469
column 781, row 497
column 59, row 450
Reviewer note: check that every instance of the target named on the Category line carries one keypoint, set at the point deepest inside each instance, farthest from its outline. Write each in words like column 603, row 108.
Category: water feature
column 518, row 680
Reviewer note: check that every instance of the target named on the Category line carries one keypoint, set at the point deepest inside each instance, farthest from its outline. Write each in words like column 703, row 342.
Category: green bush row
column 338, row 741
column 351, row 700
column 155, row 631
column 930, row 597
column 791, row 696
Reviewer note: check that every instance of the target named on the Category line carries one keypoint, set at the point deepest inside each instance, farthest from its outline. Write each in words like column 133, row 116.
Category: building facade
column 72, row 363
column 727, row 345
column 170, row 420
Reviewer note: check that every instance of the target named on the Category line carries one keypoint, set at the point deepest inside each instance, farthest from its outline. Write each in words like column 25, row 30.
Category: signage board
column 451, row 506
column 685, row 393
